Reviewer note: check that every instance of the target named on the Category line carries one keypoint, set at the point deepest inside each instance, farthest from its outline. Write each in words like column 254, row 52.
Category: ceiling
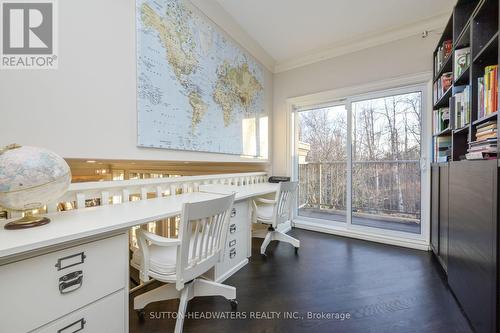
column 288, row 29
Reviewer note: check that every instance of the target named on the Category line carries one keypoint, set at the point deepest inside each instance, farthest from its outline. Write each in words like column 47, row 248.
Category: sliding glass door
column 322, row 163
column 386, row 135
column 359, row 162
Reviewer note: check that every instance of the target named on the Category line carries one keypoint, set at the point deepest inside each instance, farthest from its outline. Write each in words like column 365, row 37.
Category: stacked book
column 442, row 85
column 442, row 152
column 463, row 107
column 488, row 92
column 442, row 55
column 485, row 146
column 462, row 61
column 441, row 120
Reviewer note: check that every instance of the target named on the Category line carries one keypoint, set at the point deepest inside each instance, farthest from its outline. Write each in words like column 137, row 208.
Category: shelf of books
column 465, row 94
column 443, row 85
column 483, row 145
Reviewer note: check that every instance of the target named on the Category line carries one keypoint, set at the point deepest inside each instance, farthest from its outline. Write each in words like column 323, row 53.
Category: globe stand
column 28, row 221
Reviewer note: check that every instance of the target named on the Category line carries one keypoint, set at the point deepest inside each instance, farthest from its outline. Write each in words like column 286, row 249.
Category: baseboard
column 408, row 243
column 233, row 270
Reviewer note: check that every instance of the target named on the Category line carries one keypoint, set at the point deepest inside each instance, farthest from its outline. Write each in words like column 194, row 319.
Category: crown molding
column 329, row 97
column 368, row 41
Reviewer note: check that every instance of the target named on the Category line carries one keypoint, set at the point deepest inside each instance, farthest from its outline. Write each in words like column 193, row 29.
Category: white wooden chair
column 180, row 262
column 273, row 213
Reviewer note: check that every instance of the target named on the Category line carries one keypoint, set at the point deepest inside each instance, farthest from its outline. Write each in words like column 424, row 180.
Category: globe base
column 27, row 222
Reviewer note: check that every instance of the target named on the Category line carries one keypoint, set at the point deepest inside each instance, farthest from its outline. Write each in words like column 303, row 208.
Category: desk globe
column 30, row 178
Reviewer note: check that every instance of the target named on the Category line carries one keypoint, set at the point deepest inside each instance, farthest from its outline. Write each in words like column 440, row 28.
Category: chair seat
column 162, row 259
column 265, row 212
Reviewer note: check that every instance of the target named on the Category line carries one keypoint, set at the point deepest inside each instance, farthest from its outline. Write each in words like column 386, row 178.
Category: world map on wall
column 197, row 89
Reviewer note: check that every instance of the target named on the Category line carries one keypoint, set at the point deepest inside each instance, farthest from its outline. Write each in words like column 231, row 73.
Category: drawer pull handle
column 232, row 253
column 232, row 243
column 233, row 212
column 232, row 228
column 70, row 282
column 77, row 326
column 70, row 261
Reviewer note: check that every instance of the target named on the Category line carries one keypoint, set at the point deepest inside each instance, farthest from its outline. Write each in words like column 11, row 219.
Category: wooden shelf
column 489, row 52
column 463, row 79
column 447, row 32
column 445, row 99
column 474, row 24
column 463, row 39
column 447, row 67
column 462, row 130
column 462, row 17
column 444, row 132
column 485, row 119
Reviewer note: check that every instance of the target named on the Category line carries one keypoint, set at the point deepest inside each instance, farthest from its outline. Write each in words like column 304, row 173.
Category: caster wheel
column 141, row 314
column 296, row 250
column 234, row 304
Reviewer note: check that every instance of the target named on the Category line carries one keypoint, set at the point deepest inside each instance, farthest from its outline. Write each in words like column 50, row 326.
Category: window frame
column 346, row 96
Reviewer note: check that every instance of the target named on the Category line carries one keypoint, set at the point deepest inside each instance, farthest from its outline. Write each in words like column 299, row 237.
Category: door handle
column 423, row 164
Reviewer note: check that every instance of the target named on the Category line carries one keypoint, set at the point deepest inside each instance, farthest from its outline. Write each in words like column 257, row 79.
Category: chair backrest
column 202, row 231
column 284, row 202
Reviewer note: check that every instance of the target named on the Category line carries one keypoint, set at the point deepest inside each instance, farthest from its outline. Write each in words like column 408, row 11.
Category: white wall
column 87, row 108
column 403, row 57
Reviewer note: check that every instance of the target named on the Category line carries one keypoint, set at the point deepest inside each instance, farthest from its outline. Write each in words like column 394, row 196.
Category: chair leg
column 210, row 288
column 279, row 236
column 162, row 293
column 265, row 243
column 181, row 313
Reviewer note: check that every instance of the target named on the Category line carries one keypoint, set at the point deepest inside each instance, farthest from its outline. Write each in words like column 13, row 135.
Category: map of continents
column 197, row 90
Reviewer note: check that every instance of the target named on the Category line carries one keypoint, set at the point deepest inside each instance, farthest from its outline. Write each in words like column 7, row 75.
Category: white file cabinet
column 236, row 249
column 67, row 290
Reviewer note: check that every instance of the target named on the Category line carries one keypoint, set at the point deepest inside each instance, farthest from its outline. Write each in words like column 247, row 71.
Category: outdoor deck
column 376, row 221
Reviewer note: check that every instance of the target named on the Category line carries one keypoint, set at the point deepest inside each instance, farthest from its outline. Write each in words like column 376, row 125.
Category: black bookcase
column 473, row 24
column 464, row 202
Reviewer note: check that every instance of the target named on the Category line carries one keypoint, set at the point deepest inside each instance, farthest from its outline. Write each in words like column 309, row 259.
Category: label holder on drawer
column 77, row 326
column 70, row 261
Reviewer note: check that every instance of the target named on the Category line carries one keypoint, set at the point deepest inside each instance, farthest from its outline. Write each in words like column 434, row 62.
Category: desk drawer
column 106, row 315
column 236, row 250
column 55, row 284
column 240, row 218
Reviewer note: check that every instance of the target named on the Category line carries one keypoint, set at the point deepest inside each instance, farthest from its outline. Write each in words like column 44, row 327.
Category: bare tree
column 384, row 132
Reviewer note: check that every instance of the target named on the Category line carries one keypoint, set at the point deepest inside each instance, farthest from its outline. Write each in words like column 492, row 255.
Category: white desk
column 36, row 264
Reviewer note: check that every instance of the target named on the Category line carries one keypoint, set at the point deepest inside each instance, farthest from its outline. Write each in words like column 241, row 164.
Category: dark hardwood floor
column 383, row 289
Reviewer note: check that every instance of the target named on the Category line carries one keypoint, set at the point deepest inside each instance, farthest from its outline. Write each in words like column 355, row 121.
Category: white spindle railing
column 81, row 195
column 110, row 192
column 116, row 192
